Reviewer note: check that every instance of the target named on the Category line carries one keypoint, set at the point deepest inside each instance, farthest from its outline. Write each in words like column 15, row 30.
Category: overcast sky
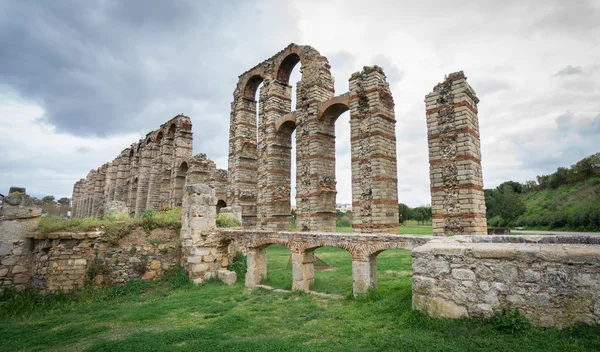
column 82, row 80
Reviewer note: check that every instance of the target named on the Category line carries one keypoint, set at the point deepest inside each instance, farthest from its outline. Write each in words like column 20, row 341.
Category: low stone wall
column 551, row 280
column 65, row 260
column 15, row 254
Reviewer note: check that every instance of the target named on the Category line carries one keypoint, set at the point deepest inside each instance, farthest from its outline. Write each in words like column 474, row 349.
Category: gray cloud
column 489, row 86
column 569, row 71
column 393, row 74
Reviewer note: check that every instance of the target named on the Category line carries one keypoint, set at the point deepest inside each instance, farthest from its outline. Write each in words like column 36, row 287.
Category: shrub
column 239, row 264
column 510, row 321
column 226, row 220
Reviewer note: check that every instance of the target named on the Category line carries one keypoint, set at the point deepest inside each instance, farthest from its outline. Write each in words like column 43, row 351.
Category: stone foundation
column 551, row 280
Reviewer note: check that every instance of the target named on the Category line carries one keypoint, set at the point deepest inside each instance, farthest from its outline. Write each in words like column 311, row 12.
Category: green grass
column 114, row 227
column 176, row 316
column 408, row 228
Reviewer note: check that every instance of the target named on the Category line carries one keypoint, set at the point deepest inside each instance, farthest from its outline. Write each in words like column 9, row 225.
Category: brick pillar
column 274, row 158
column 364, row 274
column 166, row 149
column 457, row 200
column 181, row 152
column 315, row 154
column 154, row 183
column 99, row 193
column 373, row 150
column 243, row 158
column 111, row 180
column 122, row 169
column 141, row 196
column 75, row 199
column 303, row 270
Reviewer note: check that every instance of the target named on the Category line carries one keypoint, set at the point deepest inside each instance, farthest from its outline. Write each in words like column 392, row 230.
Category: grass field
column 408, row 228
column 214, row 317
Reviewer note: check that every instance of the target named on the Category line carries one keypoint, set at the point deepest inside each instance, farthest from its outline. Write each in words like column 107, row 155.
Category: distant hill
column 568, row 199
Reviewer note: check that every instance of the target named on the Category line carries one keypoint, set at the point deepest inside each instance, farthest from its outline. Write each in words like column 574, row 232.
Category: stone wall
column 148, row 175
column 457, row 201
column 18, row 221
column 551, row 280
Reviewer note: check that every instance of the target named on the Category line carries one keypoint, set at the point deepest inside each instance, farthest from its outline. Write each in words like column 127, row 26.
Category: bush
column 344, row 221
column 239, row 264
column 226, row 220
column 510, row 321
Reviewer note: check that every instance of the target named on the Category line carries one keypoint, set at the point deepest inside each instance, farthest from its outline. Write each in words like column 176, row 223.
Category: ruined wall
column 457, row 200
column 148, row 175
column 551, row 280
column 18, row 220
column 65, row 260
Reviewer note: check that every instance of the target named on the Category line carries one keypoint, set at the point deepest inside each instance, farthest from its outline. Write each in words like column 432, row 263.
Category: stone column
column 141, row 197
column 198, row 218
column 315, row 153
column 457, row 199
column 167, row 158
column 257, row 266
column 364, row 274
column 243, row 159
column 274, row 158
column 181, row 152
column 373, row 150
column 122, row 171
column 154, row 183
column 303, row 270
column 111, row 180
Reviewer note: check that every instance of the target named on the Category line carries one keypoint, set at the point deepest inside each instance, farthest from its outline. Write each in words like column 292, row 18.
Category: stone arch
column 331, row 109
column 159, row 136
column 286, row 124
column 288, row 60
column 251, row 84
column 149, row 140
column 171, row 130
column 221, row 204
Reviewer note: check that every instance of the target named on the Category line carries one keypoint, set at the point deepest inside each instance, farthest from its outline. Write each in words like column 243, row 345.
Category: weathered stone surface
column 228, row 277
column 540, row 280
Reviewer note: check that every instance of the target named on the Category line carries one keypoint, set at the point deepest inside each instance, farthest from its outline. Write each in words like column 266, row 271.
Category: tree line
column 568, row 208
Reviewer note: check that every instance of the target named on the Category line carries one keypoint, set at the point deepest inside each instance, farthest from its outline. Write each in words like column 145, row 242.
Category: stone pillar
column 373, row 150
column 257, row 266
column 315, row 152
column 74, row 200
column 166, row 149
column 303, row 270
column 122, row 171
column 364, row 274
column 202, row 256
column 274, row 158
column 154, row 183
column 111, row 180
column 457, row 199
column 243, row 159
column 141, row 197
column 181, row 152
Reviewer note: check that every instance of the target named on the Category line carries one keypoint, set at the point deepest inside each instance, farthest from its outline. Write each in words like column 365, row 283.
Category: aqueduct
column 554, row 281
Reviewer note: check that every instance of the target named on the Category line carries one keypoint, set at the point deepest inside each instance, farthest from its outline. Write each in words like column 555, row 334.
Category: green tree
column 403, row 213
column 511, row 205
column 64, row 201
column 48, row 199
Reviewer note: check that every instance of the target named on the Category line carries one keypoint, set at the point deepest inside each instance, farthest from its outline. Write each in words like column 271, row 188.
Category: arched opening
column 171, row 131
column 279, row 267
column 286, row 67
column 131, row 153
column 394, row 272
column 252, row 86
column 149, row 140
column 221, row 204
column 333, row 271
column 343, row 172
column 179, row 183
column 159, row 137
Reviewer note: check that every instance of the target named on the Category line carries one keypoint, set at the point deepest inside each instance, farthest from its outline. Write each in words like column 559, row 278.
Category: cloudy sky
column 81, row 80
